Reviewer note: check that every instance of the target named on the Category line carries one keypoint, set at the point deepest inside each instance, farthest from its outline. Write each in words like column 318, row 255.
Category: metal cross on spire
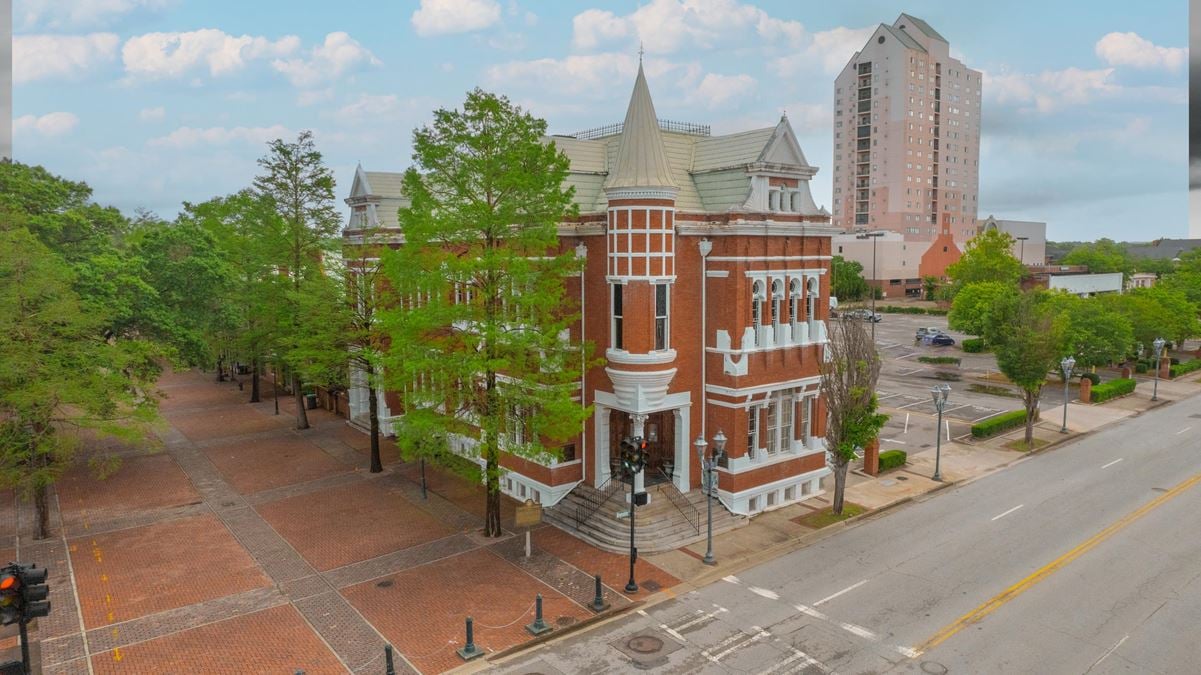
column 641, row 51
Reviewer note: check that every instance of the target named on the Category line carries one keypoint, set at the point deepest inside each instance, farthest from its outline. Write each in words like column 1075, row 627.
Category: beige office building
column 907, row 136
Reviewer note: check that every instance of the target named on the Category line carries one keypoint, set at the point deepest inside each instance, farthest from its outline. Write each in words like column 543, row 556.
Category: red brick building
column 705, row 288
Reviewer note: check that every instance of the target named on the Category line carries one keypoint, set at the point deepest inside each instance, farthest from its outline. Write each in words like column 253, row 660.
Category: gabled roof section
column 360, row 186
column 641, row 159
column 733, row 150
column 904, row 21
column 385, row 183
column 903, row 37
column 783, row 147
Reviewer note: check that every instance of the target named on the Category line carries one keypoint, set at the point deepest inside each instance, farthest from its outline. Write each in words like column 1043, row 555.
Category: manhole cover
column 934, row 668
column 644, row 644
column 565, row 621
column 902, row 477
column 386, row 583
column 651, row 586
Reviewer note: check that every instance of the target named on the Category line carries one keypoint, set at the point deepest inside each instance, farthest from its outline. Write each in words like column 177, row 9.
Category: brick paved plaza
column 239, row 545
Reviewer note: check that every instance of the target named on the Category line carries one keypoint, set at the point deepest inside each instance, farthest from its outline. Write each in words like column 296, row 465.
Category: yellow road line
column 994, row 603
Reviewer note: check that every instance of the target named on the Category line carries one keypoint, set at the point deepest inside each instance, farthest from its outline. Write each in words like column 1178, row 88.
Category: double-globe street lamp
column 939, row 394
column 1067, row 364
column 708, row 468
column 1157, row 347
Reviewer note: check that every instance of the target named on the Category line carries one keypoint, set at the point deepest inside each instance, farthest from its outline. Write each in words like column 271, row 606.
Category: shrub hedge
column 939, row 359
column 1140, row 367
column 899, row 309
column 1112, row 389
column 1183, row 368
column 973, row 345
column 892, row 459
column 1002, row 422
column 1092, row 377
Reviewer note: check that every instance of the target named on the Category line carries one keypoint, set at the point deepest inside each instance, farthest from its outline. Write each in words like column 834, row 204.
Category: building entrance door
column 659, row 432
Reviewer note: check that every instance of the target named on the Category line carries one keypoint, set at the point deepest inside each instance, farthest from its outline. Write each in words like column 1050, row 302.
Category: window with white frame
column 616, row 337
column 794, row 293
column 661, row 315
column 752, row 430
column 811, row 300
column 806, row 418
column 779, row 423
column 757, row 304
column 777, row 301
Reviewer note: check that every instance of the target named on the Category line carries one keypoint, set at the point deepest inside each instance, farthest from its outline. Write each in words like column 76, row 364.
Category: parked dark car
column 942, row 340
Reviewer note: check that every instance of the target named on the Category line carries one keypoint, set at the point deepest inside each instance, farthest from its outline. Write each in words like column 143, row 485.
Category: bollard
column 598, row 602
column 539, row 626
column 389, row 667
column 470, row 651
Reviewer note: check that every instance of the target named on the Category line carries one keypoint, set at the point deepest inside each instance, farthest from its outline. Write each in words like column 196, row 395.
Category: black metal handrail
column 593, row 502
column 690, row 512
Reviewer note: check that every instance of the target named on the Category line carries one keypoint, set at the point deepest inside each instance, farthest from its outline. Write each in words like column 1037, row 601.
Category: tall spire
column 641, row 158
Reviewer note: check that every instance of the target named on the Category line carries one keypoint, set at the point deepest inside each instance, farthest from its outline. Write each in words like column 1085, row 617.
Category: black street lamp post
column 633, row 460
column 939, row 394
column 1067, row 364
column 873, row 236
column 708, row 466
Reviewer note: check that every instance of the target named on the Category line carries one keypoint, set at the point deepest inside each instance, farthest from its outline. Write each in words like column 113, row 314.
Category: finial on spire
column 641, row 51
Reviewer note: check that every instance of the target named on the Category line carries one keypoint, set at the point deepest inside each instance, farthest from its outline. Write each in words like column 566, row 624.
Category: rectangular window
column 752, row 432
column 806, row 418
column 617, row 313
column 661, row 326
column 779, row 423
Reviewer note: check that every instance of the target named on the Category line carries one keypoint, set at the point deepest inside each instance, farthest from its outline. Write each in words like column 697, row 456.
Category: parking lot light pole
column 873, row 236
column 708, row 466
column 1157, row 347
column 1067, row 364
column 939, row 394
column 1023, row 249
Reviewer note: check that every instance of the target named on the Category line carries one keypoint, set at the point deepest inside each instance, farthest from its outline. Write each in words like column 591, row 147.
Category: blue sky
column 157, row 102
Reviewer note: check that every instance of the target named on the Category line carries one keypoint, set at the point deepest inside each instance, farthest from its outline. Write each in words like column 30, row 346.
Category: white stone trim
column 759, row 228
column 739, row 502
column 775, row 258
column 717, row 274
column 548, row 495
column 763, row 388
column 761, row 459
column 614, row 194
column 650, row 359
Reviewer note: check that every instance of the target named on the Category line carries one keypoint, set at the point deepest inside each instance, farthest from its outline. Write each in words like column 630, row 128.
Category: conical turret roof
column 641, row 160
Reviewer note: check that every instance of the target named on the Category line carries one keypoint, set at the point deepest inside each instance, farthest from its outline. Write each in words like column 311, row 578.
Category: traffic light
column 627, row 455
column 23, row 593
column 10, row 596
column 34, row 591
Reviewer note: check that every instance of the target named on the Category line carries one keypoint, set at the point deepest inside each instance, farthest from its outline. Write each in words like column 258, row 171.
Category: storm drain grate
column 645, row 644
column 651, row 586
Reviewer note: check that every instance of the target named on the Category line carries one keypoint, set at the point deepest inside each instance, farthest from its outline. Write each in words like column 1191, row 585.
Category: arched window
column 757, row 304
column 794, row 293
column 777, row 301
column 811, row 300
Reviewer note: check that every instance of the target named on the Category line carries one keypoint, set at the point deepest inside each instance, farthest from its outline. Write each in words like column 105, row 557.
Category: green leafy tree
column 846, row 280
column 478, row 345
column 1179, row 311
column 849, row 376
column 1148, row 318
column 60, row 376
column 987, row 257
column 1094, row 334
column 368, row 296
column 1185, row 276
column 930, row 284
column 973, row 304
column 1102, row 256
column 301, row 188
column 1028, row 342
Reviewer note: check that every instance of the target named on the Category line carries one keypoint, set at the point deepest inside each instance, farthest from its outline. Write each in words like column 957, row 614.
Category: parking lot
column 905, row 384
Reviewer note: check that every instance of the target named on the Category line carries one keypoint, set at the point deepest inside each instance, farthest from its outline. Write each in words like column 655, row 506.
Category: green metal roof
column 922, row 26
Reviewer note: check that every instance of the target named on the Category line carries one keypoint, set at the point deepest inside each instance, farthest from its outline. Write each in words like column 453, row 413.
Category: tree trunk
column 254, row 380
column 1031, row 407
column 42, row 506
column 220, row 369
column 492, row 510
column 373, row 410
column 302, row 417
column 840, row 484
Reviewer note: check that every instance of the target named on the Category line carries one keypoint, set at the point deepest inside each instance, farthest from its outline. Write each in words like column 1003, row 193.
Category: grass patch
column 819, row 519
column 1020, row 445
column 993, row 390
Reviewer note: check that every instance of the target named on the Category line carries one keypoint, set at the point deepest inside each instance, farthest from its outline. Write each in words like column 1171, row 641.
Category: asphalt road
column 1086, row 559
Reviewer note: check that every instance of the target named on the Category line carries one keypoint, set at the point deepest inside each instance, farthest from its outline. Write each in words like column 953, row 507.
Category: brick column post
column 1126, row 372
column 1086, row 390
column 1164, row 364
column 871, row 457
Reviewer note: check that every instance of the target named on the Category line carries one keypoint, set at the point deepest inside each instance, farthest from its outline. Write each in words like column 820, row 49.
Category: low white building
column 1030, row 238
column 1085, row 285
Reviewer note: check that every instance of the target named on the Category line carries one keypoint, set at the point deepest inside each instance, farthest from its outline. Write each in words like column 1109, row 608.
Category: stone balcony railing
column 765, row 338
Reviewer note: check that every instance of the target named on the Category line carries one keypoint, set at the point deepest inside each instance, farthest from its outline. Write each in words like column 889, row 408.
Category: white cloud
column 152, row 114
column 50, row 124
column 1051, row 89
column 583, row 75
column 37, row 57
column 829, row 49
column 443, row 17
column 367, row 105
column 166, row 55
column 74, row 13
column 191, row 137
column 665, row 26
column 1130, row 49
column 326, row 62
column 717, row 90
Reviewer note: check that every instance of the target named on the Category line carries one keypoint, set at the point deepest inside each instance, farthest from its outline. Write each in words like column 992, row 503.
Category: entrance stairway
column 672, row 519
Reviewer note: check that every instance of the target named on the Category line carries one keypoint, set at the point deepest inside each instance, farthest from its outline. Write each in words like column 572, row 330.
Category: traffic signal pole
column 24, row 647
